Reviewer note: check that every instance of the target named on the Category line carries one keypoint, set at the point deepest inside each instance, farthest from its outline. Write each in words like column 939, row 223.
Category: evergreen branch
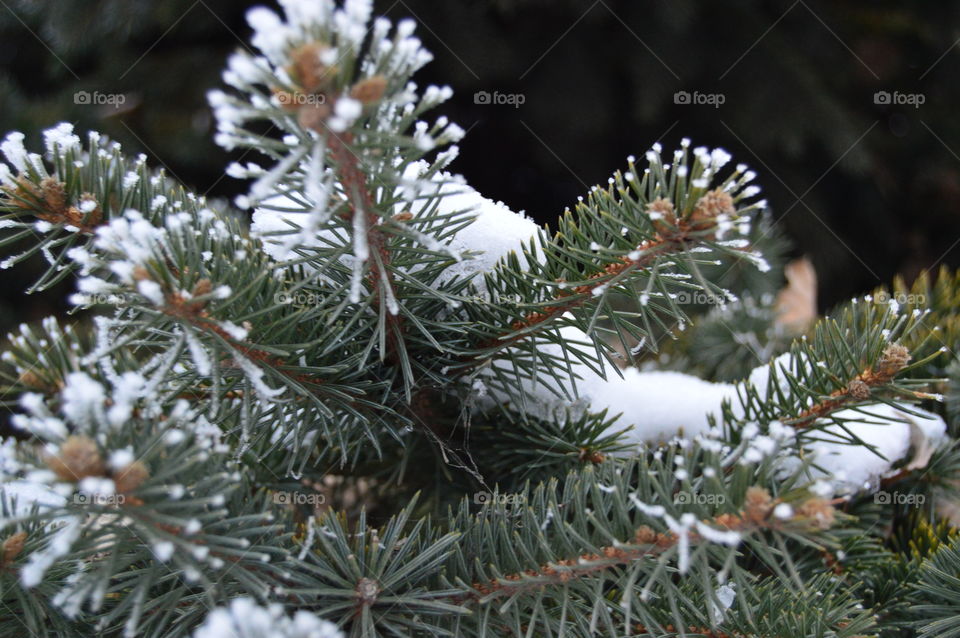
column 848, row 363
column 895, row 357
column 939, row 592
column 631, row 505
column 377, row 308
column 646, row 543
column 59, row 204
column 636, row 244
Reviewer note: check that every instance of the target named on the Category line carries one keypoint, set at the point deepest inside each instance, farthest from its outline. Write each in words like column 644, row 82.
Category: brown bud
column 663, row 215
column 140, row 273
column 367, row 590
column 757, row 505
column 894, row 358
column 716, row 202
column 79, row 458
column 645, row 535
column 12, row 547
column 308, row 70
column 712, row 204
column 858, row 390
column 369, row 90
column 29, row 378
column 131, row 477
column 24, row 190
column 591, row 456
column 202, row 287
column 819, row 511
column 403, row 216
column 79, row 218
column 54, row 194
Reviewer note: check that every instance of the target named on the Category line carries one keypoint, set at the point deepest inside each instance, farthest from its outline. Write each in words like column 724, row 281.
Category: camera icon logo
column 82, row 97
column 682, row 97
column 482, row 97
column 482, row 498
column 882, row 97
column 882, row 498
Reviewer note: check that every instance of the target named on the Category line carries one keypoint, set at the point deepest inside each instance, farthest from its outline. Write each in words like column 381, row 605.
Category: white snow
column 244, row 618
column 27, row 494
column 361, row 251
column 97, row 486
column 659, row 406
column 127, row 389
column 151, row 290
column 270, row 34
column 198, row 354
column 41, row 560
column 348, row 108
column 255, row 376
column 726, row 594
column 889, row 430
column 60, row 139
column 236, row 332
column 644, row 400
column 13, row 150
column 163, row 550
column 83, row 399
column 728, row 537
column 783, row 511
column 120, row 459
column 682, row 531
column 495, row 231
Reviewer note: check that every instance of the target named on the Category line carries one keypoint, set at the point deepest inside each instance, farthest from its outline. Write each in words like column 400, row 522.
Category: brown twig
column 354, row 182
column 895, row 357
column 650, row 251
column 756, row 515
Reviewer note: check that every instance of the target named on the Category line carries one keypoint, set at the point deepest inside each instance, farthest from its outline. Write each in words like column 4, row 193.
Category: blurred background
column 846, row 110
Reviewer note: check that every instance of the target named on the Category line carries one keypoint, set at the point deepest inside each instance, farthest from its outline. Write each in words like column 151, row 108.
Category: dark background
column 866, row 190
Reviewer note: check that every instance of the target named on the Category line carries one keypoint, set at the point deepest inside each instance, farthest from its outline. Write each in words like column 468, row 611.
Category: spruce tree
column 392, row 407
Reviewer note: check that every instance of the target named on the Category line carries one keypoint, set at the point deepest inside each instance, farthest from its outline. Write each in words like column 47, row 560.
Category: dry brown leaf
column 797, row 301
